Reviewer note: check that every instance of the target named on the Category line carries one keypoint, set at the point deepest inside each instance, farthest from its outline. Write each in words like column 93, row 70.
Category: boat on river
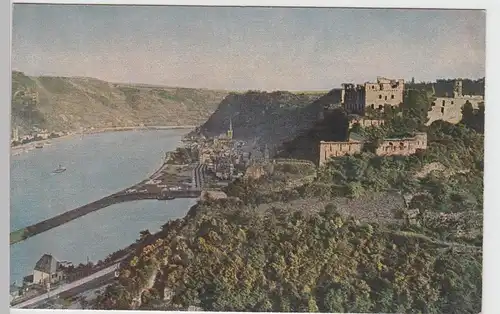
column 39, row 145
column 59, row 169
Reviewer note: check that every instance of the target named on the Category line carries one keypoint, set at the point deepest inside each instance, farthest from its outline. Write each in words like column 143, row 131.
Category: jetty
column 152, row 188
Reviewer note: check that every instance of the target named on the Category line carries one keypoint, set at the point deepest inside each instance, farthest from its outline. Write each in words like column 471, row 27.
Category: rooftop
column 47, row 264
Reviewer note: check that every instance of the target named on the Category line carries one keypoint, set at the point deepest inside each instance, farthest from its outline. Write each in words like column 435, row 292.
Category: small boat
column 39, row 145
column 59, row 169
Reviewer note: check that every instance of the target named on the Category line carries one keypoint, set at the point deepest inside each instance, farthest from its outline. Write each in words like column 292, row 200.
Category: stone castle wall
column 337, row 149
column 402, row 146
column 366, row 122
column 389, row 147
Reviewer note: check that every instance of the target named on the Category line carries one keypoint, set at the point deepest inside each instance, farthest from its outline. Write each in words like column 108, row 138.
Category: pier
column 121, row 197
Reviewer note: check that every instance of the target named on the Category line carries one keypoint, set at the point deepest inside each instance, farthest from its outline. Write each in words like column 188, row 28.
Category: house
column 47, row 269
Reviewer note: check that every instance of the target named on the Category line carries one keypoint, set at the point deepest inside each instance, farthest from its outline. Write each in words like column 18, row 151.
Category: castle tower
column 230, row 131
column 457, row 90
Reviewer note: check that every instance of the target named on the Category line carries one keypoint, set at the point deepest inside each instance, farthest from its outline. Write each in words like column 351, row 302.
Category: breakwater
column 121, row 197
column 30, row 231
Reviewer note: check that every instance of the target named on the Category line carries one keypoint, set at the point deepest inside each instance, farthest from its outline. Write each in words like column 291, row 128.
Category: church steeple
column 230, row 131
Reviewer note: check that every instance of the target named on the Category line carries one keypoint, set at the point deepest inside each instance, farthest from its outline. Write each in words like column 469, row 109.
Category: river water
column 97, row 165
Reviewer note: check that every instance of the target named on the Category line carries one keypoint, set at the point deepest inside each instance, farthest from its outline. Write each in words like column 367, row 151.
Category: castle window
column 379, row 96
column 385, row 97
column 452, row 102
column 392, row 96
column 442, row 110
column 380, row 107
column 433, row 104
column 444, row 102
column 373, row 106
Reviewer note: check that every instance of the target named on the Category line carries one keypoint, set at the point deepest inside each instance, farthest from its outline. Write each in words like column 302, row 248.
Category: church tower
column 230, row 131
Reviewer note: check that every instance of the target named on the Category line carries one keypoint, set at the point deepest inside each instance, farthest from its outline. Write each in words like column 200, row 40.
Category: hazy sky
column 246, row 48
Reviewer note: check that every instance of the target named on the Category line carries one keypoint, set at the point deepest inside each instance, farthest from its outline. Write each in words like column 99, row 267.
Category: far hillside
column 68, row 103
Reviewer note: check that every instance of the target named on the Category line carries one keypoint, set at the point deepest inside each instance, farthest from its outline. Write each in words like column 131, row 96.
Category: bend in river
column 97, row 165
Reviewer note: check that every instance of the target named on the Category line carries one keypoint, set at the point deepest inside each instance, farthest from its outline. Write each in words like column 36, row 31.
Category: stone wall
column 402, row 146
column 388, row 147
column 336, row 149
column 366, row 122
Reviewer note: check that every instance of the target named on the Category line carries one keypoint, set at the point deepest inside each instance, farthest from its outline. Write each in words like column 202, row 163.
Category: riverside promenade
column 150, row 188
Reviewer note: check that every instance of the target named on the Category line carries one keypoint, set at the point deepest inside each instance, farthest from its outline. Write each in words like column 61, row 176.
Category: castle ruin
column 389, row 147
column 364, row 123
column 450, row 108
column 402, row 146
column 356, row 98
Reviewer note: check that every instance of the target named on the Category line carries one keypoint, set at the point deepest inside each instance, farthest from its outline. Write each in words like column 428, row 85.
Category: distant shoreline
column 31, row 145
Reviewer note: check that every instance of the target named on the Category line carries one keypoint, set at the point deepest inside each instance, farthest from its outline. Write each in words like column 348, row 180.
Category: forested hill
column 68, row 103
column 267, row 118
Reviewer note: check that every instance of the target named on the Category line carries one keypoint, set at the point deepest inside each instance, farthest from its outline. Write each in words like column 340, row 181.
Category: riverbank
column 16, row 150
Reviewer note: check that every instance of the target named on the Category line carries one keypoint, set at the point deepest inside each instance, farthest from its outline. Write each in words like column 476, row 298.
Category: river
column 97, row 165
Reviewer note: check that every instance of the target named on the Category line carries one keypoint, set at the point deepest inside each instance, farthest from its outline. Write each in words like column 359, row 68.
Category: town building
column 47, row 269
column 448, row 108
column 377, row 95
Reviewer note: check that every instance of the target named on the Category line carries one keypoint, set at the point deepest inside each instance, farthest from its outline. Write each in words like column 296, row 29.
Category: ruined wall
column 388, row 147
column 384, row 92
column 336, row 149
column 366, row 122
column 402, row 146
column 374, row 95
column 450, row 109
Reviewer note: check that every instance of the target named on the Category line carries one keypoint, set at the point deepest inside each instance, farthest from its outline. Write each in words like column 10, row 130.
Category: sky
column 247, row 48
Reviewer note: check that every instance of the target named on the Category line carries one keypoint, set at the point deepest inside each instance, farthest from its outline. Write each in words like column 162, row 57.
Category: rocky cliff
column 68, row 103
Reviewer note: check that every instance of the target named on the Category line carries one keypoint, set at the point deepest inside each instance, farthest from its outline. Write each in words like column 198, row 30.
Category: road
column 69, row 286
column 199, row 176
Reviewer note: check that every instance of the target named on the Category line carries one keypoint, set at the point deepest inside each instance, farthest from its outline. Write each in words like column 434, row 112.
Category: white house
column 47, row 268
